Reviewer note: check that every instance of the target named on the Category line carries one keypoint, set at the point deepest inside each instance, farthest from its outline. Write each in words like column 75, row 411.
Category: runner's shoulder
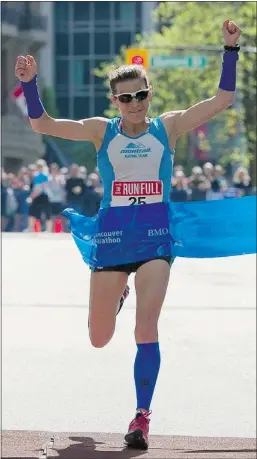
column 95, row 129
column 168, row 119
column 98, row 125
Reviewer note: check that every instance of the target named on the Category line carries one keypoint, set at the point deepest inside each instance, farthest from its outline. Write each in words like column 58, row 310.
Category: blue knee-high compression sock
column 146, row 369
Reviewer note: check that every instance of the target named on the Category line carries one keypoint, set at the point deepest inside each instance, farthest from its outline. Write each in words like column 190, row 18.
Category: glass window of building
column 62, row 44
column 102, row 43
column 125, row 12
column 139, row 7
column 81, row 43
column 80, row 73
column 61, row 16
column 102, row 103
column 81, row 11
column 62, row 10
column 86, row 34
column 63, row 107
column 98, row 82
column 81, row 108
column 120, row 39
column 102, row 11
column 62, row 71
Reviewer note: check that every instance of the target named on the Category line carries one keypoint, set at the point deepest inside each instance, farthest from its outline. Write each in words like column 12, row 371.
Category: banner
column 207, row 229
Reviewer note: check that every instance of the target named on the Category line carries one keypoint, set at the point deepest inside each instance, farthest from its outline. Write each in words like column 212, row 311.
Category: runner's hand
column 231, row 33
column 25, row 68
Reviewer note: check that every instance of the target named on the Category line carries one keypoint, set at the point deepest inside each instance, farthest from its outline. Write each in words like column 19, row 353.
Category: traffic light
column 137, row 56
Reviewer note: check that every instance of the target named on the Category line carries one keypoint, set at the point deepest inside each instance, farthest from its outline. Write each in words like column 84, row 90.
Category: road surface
column 54, row 381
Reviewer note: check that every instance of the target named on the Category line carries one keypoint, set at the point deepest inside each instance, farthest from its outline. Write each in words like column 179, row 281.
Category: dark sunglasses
column 126, row 98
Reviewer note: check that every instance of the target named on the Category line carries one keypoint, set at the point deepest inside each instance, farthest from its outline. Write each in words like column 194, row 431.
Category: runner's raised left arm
column 183, row 121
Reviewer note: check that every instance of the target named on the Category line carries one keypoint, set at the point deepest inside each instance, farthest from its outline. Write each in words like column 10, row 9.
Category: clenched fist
column 25, row 68
column 231, row 33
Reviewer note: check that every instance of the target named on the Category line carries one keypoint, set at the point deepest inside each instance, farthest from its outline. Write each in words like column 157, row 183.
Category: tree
column 48, row 99
column 194, row 23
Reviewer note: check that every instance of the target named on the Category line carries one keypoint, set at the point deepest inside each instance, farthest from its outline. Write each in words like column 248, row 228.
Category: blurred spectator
column 95, row 183
column 9, row 201
column 65, row 172
column 242, row 181
column 40, row 208
column 75, row 189
column 56, row 192
column 218, row 184
column 179, row 191
column 32, row 169
column 91, row 202
column 93, row 195
column 83, row 172
column 23, row 209
column 208, row 170
column 198, row 184
column 3, row 199
column 177, row 168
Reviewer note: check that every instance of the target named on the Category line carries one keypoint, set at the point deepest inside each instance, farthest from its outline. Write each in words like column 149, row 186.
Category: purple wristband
column 228, row 74
column 34, row 104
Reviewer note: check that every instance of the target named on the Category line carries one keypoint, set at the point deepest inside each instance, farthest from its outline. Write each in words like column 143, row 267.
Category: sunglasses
column 126, row 98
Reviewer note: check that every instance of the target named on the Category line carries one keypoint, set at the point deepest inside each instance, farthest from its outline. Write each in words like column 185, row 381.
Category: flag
column 20, row 100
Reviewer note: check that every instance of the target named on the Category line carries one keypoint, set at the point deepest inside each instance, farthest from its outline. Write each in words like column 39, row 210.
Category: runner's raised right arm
column 91, row 129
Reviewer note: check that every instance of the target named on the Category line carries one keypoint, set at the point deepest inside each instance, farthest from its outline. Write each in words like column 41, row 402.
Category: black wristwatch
column 232, row 48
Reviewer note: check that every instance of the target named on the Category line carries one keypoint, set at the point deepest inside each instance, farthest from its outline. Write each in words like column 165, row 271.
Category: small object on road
column 44, row 450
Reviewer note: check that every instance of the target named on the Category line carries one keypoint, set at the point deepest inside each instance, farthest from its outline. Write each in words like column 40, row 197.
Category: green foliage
column 194, row 23
column 48, row 99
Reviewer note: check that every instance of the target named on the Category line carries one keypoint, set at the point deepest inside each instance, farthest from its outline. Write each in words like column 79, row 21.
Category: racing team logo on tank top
column 135, row 170
column 138, row 192
column 134, row 150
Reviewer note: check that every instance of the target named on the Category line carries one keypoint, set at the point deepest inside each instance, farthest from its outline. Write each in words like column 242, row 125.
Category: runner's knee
column 100, row 338
column 99, row 341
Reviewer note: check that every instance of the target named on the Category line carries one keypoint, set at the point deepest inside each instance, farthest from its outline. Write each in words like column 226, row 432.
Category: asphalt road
column 53, row 380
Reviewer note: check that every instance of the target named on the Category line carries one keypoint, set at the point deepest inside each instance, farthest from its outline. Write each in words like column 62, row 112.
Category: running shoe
column 137, row 436
column 124, row 296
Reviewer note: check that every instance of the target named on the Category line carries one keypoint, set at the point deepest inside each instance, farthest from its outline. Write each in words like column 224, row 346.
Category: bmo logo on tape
column 158, row 232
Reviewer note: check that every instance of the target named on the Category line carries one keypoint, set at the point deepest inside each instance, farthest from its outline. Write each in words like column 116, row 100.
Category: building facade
column 23, row 31
column 85, row 35
column 68, row 40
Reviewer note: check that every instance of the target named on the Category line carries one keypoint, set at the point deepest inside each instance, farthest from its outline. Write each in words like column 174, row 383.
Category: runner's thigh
column 106, row 289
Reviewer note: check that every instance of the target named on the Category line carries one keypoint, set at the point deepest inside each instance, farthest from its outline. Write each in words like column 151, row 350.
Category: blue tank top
column 135, row 170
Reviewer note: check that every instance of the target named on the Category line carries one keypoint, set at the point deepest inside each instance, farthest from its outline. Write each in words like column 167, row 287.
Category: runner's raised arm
column 91, row 129
column 182, row 121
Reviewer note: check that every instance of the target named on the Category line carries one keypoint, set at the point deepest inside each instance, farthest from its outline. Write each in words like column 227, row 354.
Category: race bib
column 134, row 193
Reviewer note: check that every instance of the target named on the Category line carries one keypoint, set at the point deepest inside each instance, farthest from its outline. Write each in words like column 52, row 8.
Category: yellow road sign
column 137, row 56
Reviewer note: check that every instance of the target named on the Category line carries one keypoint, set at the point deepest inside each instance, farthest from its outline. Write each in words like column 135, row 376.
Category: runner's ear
column 113, row 100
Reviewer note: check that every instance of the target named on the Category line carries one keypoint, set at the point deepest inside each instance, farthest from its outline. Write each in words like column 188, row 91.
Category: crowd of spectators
column 40, row 192
column 208, row 183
